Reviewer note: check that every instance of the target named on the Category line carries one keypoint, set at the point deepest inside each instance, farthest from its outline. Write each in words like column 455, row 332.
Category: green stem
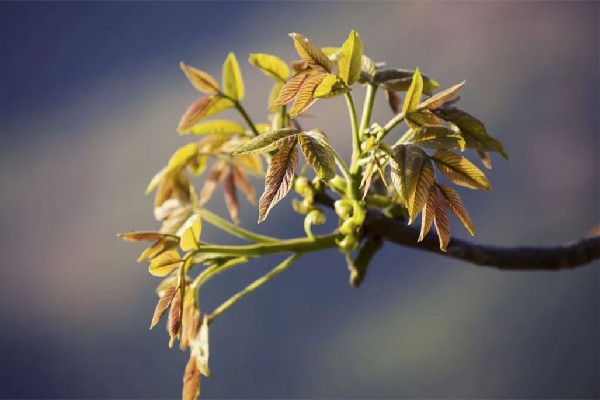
column 238, row 106
column 233, row 229
column 297, row 245
column 355, row 136
column 392, row 124
column 252, row 287
column 365, row 120
column 215, row 270
column 342, row 166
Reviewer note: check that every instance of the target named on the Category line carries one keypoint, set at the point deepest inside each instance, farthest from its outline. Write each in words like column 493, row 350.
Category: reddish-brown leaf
column 290, row 89
column 241, row 181
column 163, row 303
column 174, row 321
column 191, row 381
column 230, row 194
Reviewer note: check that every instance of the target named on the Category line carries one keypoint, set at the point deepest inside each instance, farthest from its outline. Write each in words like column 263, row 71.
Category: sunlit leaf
column 349, row 63
column 190, row 239
column 290, row 89
column 442, row 224
column 201, row 80
column 428, row 214
column 421, row 118
column 217, row 126
column 233, row 85
column 437, row 137
column 419, row 180
column 165, row 263
column 460, row 170
column 174, row 320
column 472, row 130
column 304, row 98
column 191, row 381
column 202, row 108
column 182, row 156
column 438, row 99
column 230, row 194
column 170, row 242
column 406, row 168
column 163, row 303
column 270, row 65
column 413, row 95
column 455, row 204
column 311, row 53
column 332, row 52
column 144, row 236
column 251, row 163
column 266, row 142
column 318, row 153
column 330, row 86
column 280, row 175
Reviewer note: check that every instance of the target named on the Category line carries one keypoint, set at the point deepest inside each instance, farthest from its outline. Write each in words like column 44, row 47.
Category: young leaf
column 191, row 381
column 216, row 175
column 200, row 348
column 233, row 85
column 202, row 108
column 318, row 153
column 393, row 100
column 280, row 175
column 266, row 142
column 419, row 182
column 174, row 320
column 201, row 80
column 350, row 59
column 304, row 97
column 230, row 195
column 437, row 137
column 182, row 156
column 367, row 69
column 472, row 130
column 413, row 95
column 485, row 159
column 406, row 166
column 332, row 52
column 163, row 303
column 217, row 127
column 160, row 246
column 190, row 239
column 418, row 119
column 460, row 170
column 165, row 263
column 270, row 65
column 438, row 99
column 144, row 236
column 241, row 181
column 428, row 214
column 290, row 89
column 399, row 80
column 274, row 95
column 397, row 166
column 442, row 225
column 330, row 86
column 455, row 204
column 311, row 53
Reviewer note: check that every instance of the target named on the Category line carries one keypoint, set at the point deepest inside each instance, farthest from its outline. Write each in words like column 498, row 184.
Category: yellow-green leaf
column 455, row 204
column 428, row 214
column 332, row 52
column 280, row 175
column 270, row 65
column 460, row 170
column 413, row 95
column 304, row 97
column 442, row 224
column 438, row 99
column 311, row 53
column 233, row 85
column 165, row 263
column 190, row 239
column 182, row 156
column 349, row 63
column 266, row 142
column 160, row 246
column 290, row 89
column 318, row 153
column 143, row 236
column 437, row 137
column 330, row 86
column 419, row 182
column 217, row 126
column 201, row 80
column 417, row 119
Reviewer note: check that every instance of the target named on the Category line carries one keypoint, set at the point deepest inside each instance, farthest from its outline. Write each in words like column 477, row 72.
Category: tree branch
column 567, row 256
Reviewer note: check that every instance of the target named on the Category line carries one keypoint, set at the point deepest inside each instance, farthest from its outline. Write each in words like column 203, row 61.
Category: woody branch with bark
column 390, row 180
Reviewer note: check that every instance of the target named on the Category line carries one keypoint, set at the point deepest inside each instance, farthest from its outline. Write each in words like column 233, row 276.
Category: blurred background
column 90, row 96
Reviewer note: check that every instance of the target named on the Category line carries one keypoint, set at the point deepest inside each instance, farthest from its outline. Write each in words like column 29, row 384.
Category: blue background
column 90, row 95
